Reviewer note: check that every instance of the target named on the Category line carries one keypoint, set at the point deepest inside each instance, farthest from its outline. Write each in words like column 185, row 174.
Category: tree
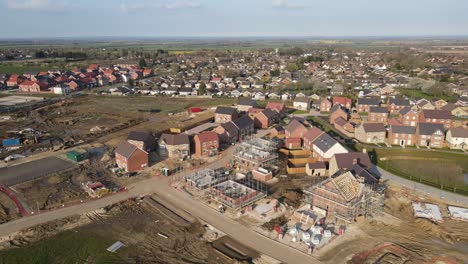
column 202, row 89
column 142, row 63
column 292, row 67
column 275, row 73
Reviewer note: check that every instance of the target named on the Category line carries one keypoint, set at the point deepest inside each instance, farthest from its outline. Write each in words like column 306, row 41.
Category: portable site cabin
column 77, row 156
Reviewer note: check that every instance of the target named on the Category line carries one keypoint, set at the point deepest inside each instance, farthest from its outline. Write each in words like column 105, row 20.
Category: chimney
column 364, row 150
column 355, row 161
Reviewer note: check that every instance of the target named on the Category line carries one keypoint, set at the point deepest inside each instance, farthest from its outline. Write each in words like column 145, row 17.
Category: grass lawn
column 415, row 93
column 21, row 69
column 66, row 247
column 299, row 112
column 440, row 169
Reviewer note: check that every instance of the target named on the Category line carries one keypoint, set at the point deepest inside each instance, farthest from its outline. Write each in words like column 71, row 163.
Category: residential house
column 363, row 104
column 457, row 138
column 345, row 161
column 224, row 114
column 424, row 104
column 377, row 114
column 343, row 125
column 175, row 145
column 245, row 104
column 228, row 133
column 402, row 135
column 370, row 133
column 343, row 101
column 456, row 110
column 295, row 129
column 245, row 126
column 396, row 104
column 443, row 117
column 430, row 135
column 13, row 80
column 253, row 112
column 130, row 158
column 325, row 105
column 32, row 86
column 206, row 144
column 142, row 140
column 324, row 147
column 302, row 103
column 408, row 116
column 310, row 136
column 266, row 118
column 440, row 103
column 337, row 111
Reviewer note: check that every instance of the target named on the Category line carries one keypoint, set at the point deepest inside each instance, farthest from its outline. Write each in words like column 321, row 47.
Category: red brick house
column 337, row 111
column 32, row 87
column 363, row 104
column 402, row 135
column 443, row 117
column 93, row 67
column 325, row 105
column 206, row 144
column 74, row 85
column 430, row 135
column 396, row 104
column 310, row 136
column 147, row 72
column 377, row 114
column 228, row 133
column 13, row 81
column 295, row 129
column 343, row 101
column 265, row 118
column 343, row 125
column 408, row 117
column 130, row 157
column 225, row 114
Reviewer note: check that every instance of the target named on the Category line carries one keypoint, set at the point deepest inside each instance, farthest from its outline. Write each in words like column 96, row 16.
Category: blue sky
column 156, row 18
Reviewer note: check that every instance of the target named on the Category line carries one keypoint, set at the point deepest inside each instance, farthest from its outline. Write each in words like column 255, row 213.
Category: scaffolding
column 256, row 153
column 207, row 178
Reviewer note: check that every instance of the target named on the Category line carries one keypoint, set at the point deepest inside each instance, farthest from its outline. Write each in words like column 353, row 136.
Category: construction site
column 255, row 153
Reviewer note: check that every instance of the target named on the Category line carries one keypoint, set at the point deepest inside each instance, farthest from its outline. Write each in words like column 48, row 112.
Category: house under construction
column 207, row 178
column 344, row 198
column 255, row 153
column 234, row 194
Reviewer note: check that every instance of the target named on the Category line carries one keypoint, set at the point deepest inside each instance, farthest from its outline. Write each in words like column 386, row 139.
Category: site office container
column 77, row 156
column 8, row 142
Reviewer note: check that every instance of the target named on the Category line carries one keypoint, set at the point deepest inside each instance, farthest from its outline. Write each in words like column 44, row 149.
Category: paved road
column 32, row 170
column 425, row 189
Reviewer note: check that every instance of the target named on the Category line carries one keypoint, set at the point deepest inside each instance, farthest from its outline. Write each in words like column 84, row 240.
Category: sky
column 231, row 18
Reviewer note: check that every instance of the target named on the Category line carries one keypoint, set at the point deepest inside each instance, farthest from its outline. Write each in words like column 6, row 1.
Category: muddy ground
column 420, row 239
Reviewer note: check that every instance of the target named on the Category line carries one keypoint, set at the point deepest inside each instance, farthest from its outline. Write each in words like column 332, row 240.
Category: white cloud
column 38, row 5
column 287, row 4
column 130, row 8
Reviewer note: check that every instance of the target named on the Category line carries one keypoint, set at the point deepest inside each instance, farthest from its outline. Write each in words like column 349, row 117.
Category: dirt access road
column 161, row 187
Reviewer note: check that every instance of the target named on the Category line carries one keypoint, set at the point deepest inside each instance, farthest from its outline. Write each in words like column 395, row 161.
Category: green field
column 9, row 69
column 444, row 170
column 66, row 247
column 415, row 93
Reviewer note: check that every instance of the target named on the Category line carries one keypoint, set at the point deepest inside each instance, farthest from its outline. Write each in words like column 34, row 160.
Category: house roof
column 430, row 128
column 140, row 136
column 230, row 127
column 175, row 139
column 243, row 122
column 378, row 110
column 317, row 165
column 248, row 102
column 269, row 113
column 126, row 149
column 348, row 186
column 225, row 110
column 313, row 133
column 459, row 132
column 368, row 101
column 360, row 171
column 398, row 101
column 341, row 100
column 345, row 160
column 437, row 114
column 393, row 122
column 405, row 110
column 275, row 106
column 373, row 127
column 294, row 125
column 411, row 130
column 340, row 121
column 325, row 142
column 207, row 136
column 293, row 140
column 302, row 100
